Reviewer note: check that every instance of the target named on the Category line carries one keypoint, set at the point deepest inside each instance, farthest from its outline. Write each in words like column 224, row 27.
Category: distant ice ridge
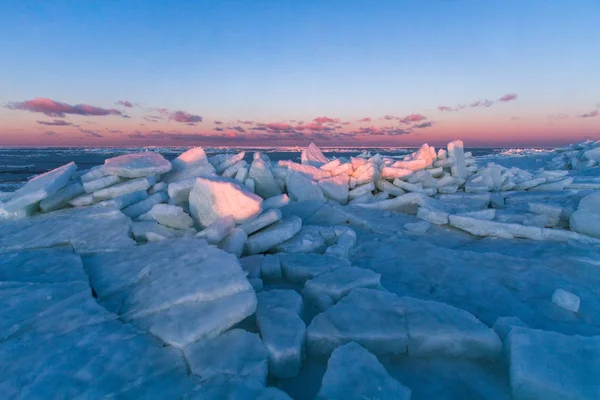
column 256, row 271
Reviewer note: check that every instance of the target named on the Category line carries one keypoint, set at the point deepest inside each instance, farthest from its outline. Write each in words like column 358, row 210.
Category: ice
column 393, row 173
column 418, row 227
column 158, row 187
column 234, row 242
column 282, row 331
column 190, row 164
column 40, row 187
column 180, row 191
column 308, row 240
column 126, row 187
column 249, row 184
column 590, row 202
column 149, row 231
column 136, row 209
column 480, row 227
column 440, row 330
column 280, row 298
column 307, row 171
column 339, row 282
column 456, row 151
column 232, row 170
column 409, row 187
column 270, row 269
column 125, row 200
column 273, row 235
column 312, row 155
column 275, row 202
column 345, row 240
column 264, row 182
column 566, row 300
column 251, row 264
column 331, row 165
column 335, row 188
column 365, row 174
column 299, row 267
column 301, row 188
column 137, row 165
column 42, row 266
column 361, row 190
column 229, row 161
column 83, row 200
column 553, row 186
column 504, row 325
column 372, row 318
column 94, row 173
column 218, row 230
column 408, row 203
column 362, row 199
column 236, row 353
column 171, row 216
column 354, row 373
column 61, row 198
column 242, row 174
column 101, row 183
column 390, row 188
column 263, row 220
column 87, row 230
column 487, row 215
column 345, row 168
column 214, row 198
column 549, row 365
column 222, row 387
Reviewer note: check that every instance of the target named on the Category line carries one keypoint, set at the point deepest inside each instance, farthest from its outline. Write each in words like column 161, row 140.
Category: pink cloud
column 423, row 125
column 508, row 97
column 483, row 103
column 184, row 117
column 124, row 103
column 365, row 119
column 56, row 122
column 57, row 109
column 559, row 116
column 312, row 127
column 590, row 114
column 326, row 120
column 389, row 117
column 277, row 126
column 445, row 108
column 413, row 118
column 245, row 122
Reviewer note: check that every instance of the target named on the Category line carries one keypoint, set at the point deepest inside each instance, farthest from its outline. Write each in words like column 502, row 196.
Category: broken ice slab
column 307, row 171
column 189, row 164
column 271, row 236
column 339, row 282
column 52, row 265
column 309, row 239
column 214, row 198
column 86, row 229
column 275, row 202
column 549, row 365
column 101, row 183
column 335, row 188
column 235, row 353
column 301, row 188
column 229, row 161
column 224, row 387
column 61, row 198
column 312, row 155
column 234, row 242
column 150, row 231
column 171, row 216
column 93, row 174
column 566, row 300
column 264, row 181
column 143, row 206
column 504, row 325
column 299, row 267
column 126, row 187
column 263, row 220
column 218, row 230
column 40, row 187
column 393, row 173
column 137, row 165
column 124, row 201
column 408, row 203
column 457, row 152
column 270, row 269
column 354, row 373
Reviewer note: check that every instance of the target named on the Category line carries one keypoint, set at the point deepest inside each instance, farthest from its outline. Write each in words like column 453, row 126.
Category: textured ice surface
column 189, row 164
column 275, row 202
column 301, row 188
column 122, row 188
column 270, row 269
column 263, row 220
column 101, row 183
column 150, row 231
column 273, row 235
column 310, row 239
column 137, row 165
column 124, row 200
column 335, row 188
column 236, row 353
column 566, row 300
column 86, row 229
column 339, row 282
column 171, row 216
column 93, row 173
column 280, row 298
column 549, row 365
column 42, row 266
column 298, row 267
column 264, row 181
column 232, row 388
column 40, row 187
column 214, row 198
column 504, row 325
column 354, row 373
column 218, row 230
column 312, row 155
column 234, row 242
column 143, row 206
column 60, row 198
column 282, row 331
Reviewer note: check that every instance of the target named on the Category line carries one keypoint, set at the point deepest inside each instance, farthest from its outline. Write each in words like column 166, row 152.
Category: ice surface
column 590, row 202
column 358, row 191
column 264, row 181
column 335, row 188
column 236, row 353
column 93, row 173
column 150, row 231
column 222, row 387
column 218, row 230
column 229, row 161
column 101, row 183
column 307, row 171
column 273, row 235
column 372, row 318
column 312, row 155
column 310, row 239
column 263, row 220
column 143, row 206
column 124, row 201
column 214, row 198
column 548, row 365
column 566, row 300
column 122, row 188
column 339, row 282
column 393, row 173
column 280, row 298
column 354, row 373
column 299, row 267
column 456, row 151
column 251, row 264
column 171, row 216
column 87, row 230
column 158, row 187
column 301, row 188
column 61, row 198
column 270, row 269
column 190, row 164
column 42, row 266
column 40, row 187
column 282, row 331
column 504, row 325
column 180, row 191
column 275, row 202
column 418, row 227
column 137, row 165
column 234, row 242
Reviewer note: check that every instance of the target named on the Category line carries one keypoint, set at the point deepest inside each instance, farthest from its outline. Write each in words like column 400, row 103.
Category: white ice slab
column 229, row 161
column 354, row 373
column 101, row 183
column 275, row 202
column 171, row 216
column 335, row 188
column 273, row 235
column 392, row 173
column 312, row 155
column 264, row 181
column 61, row 198
column 190, row 164
column 339, row 282
column 457, row 152
column 218, row 230
column 93, row 174
column 263, row 220
column 301, row 188
column 150, row 231
column 214, row 198
column 308, row 171
column 270, row 269
column 40, row 187
column 566, row 300
column 137, row 165
column 179, row 191
column 83, row 200
column 299, row 267
column 124, row 201
column 141, row 207
column 234, row 242
column 126, row 187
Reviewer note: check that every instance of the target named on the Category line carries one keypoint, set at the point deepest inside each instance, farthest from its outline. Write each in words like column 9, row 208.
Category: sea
column 18, row 164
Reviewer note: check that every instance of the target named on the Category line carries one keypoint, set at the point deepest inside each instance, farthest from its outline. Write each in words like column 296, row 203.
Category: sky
column 284, row 73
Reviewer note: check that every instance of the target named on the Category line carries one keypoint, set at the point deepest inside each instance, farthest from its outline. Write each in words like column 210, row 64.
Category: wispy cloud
column 185, row 117
column 412, row 118
column 480, row 103
column 365, row 119
column 239, row 129
column 58, row 109
column 326, row 120
column 56, row 122
column 508, row 97
column 124, row 103
column 389, row 117
column 558, row 116
column 218, row 122
column 423, row 125
column 244, row 122
column 50, row 133
column 445, row 108
column 91, row 133
column 590, row 114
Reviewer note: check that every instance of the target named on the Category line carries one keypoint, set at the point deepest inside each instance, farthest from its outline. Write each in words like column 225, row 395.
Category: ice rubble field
column 438, row 276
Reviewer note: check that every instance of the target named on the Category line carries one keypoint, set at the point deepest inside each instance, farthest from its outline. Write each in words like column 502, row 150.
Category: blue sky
column 274, row 61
